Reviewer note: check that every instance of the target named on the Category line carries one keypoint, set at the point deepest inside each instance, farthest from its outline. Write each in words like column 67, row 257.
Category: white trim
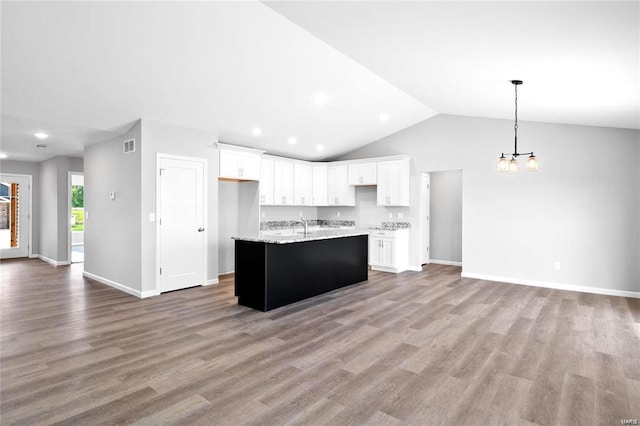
column 30, row 221
column 205, row 202
column 211, row 282
column 388, row 269
column 445, row 262
column 53, row 262
column 555, row 286
column 118, row 286
column 34, row 256
column 414, row 268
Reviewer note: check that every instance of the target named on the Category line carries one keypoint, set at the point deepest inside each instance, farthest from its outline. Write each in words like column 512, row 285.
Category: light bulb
column 513, row 165
column 532, row 163
column 503, row 164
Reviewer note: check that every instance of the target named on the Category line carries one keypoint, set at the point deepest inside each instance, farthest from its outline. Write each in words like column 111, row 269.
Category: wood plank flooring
column 417, row 348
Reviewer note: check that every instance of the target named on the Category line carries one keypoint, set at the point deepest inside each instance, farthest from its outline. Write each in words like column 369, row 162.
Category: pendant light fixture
column 511, row 166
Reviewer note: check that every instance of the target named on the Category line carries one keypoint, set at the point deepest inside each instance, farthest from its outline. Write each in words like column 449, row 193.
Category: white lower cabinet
column 389, row 250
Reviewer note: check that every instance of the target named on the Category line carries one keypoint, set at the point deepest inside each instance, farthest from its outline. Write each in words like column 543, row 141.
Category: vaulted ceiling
column 84, row 71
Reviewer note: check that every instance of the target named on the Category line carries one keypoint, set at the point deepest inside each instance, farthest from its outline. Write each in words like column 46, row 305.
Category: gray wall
column 33, row 169
column 175, row 140
column 581, row 208
column 53, row 205
column 228, row 225
column 112, row 227
column 445, row 225
column 366, row 213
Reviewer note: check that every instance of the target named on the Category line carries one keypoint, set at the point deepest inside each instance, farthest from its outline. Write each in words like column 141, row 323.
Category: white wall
column 445, row 230
column 366, row 213
column 53, row 236
column 175, row 140
column 112, row 227
column 33, row 169
column 228, row 226
column 581, row 208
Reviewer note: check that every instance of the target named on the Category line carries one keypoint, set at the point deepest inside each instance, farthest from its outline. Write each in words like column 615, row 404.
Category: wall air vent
column 129, row 146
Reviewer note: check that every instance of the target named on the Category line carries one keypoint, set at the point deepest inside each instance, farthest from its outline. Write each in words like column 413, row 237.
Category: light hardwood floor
column 415, row 348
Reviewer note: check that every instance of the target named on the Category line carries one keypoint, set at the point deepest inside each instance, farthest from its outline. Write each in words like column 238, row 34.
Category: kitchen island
column 275, row 270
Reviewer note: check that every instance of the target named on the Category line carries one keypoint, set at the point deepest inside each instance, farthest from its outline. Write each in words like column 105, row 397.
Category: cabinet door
column 393, row 183
column 249, row 166
column 282, row 183
column 387, row 253
column 319, row 186
column 302, row 185
column 381, row 252
column 266, row 182
column 362, row 174
column 339, row 193
column 374, row 250
column 229, row 164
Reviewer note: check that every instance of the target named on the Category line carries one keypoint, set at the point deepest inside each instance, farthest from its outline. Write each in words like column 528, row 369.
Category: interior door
column 14, row 216
column 181, row 224
column 425, row 211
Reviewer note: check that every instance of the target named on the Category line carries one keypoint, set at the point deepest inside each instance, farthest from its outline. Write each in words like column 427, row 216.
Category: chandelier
column 511, row 166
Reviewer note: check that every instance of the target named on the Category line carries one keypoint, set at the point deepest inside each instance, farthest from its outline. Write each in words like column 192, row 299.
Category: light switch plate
column 152, row 217
column 112, row 195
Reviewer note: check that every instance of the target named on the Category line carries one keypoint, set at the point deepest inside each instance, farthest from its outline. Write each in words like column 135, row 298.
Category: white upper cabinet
column 362, row 174
column 302, row 184
column 239, row 163
column 393, row 182
column 319, row 184
column 283, row 182
column 339, row 192
column 266, row 182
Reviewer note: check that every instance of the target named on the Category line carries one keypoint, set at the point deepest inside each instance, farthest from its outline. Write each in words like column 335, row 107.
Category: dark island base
column 268, row 276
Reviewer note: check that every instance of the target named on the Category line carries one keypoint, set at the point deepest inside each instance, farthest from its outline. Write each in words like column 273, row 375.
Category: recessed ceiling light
column 384, row 117
column 41, row 146
column 41, row 135
column 319, row 147
column 256, row 131
column 292, row 141
column 318, row 98
column 3, row 155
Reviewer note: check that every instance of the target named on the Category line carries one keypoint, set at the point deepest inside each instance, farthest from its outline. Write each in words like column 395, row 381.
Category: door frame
column 69, row 234
column 30, row 212
column 205, row 204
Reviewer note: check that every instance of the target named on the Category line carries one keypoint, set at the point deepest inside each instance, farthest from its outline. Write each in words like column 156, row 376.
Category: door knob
column 200, row 229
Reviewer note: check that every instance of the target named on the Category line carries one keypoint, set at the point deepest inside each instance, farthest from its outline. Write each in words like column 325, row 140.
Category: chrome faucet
column 304, row 223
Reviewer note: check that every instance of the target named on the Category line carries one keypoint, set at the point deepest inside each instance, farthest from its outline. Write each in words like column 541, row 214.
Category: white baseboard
column 53, row 262
column 555, row 286
column 149, row 293
column 414, row 268
column 212, row 281
column 34, row 256
column 445, row 262
column 119, row 286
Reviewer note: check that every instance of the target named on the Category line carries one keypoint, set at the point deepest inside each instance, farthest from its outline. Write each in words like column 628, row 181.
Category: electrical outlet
column 390, row 215
column 152, row 217
column 400, row 215
column 263, row 214
column 556, row 266
column 338, row 214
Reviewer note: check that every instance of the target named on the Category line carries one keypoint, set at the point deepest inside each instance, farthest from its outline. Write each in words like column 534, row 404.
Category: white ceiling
column 84, row 71
column 579, row 60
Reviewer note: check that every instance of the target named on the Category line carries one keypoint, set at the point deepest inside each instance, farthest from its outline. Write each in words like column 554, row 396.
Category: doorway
column 76, row 217
column 15, row 216
column 446, row 217
column 181, row 222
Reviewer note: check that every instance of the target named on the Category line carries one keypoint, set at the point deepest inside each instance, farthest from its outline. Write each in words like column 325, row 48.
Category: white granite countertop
column 324, row 234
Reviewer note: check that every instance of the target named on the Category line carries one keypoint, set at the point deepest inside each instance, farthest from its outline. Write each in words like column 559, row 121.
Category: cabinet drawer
column 382, row 233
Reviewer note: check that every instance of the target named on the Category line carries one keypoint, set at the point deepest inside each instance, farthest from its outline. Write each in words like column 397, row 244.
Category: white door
column 14, row 215
column 181, row 221
column 425, row 196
